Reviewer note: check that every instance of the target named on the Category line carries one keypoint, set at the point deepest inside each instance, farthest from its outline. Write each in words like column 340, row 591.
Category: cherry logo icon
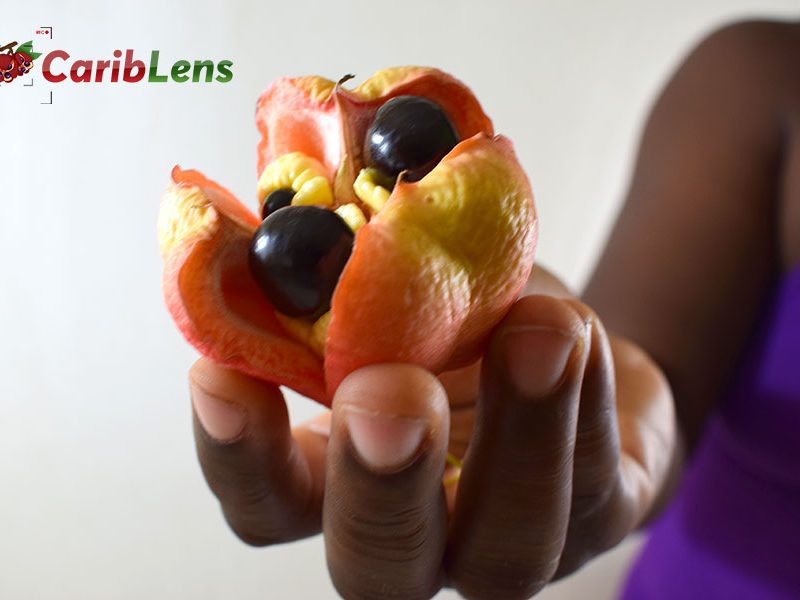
column 17, row 63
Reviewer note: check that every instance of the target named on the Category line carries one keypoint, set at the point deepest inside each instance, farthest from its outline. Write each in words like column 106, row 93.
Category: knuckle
column 251, row 529
column 592, row 542
column 497, row 593
column 248, row 496
column 257, row 540
column 354, row 588
column 236, row 486
column 597, row 530
column 504, row 573
column 395, row 536
column 596, row 509
column 400, row 545
column 589, row 505
column 256, row 513
column 501, row 585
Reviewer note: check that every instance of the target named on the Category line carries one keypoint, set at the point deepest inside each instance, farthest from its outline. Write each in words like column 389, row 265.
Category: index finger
column 269, row 482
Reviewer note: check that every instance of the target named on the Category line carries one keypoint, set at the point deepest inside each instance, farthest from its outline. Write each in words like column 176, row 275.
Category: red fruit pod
column 24, row 61
column 8, row 67
column 436, row 262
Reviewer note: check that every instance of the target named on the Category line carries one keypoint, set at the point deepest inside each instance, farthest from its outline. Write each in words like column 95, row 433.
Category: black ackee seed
column 275, row 200
column 409, row 133
column 296, row 257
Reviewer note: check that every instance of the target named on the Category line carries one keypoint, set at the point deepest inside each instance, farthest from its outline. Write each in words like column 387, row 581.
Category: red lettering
column 47, row 73
column 127, row 73
column 81, row 71
column 115, row 66
column 102, row 65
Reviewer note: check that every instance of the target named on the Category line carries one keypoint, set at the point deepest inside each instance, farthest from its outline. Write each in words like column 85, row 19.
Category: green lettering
column 154, row 77
column 225, row 73
column 178, row 70
column 199, row 66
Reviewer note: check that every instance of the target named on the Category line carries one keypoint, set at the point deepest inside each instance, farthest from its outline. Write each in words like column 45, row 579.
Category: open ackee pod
column 430, row 274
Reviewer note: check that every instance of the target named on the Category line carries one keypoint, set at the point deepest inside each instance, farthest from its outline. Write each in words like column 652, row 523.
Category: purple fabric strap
column 733, row 531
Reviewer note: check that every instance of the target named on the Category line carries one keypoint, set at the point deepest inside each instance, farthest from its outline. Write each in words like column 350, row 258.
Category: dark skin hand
column 570, row 433
column 567, row 431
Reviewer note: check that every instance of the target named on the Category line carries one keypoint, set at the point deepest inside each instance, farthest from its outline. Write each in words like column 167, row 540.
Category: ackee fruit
column 392, row 226
column 8, row 68
column 24, row 62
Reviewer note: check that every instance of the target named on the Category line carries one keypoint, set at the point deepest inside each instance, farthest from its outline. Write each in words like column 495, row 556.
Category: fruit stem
column 345, row 79
column 8, row 47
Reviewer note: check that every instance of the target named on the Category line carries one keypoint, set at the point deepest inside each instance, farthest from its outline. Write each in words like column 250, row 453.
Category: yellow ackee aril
column 185, row 213
column 352, row 215
column 301, row 173
column 312, row 334
column 319, row 333
column 368, row 191
column 377, row 84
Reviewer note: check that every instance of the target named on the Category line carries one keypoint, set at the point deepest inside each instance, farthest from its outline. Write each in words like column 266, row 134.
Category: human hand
column 569, row 431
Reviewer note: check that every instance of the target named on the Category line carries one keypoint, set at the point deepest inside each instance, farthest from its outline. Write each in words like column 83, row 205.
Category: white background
column 100, row 493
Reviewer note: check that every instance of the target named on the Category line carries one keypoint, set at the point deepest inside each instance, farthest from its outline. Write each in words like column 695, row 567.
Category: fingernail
column 224, row 421
column 537, row 357
column 384, row 442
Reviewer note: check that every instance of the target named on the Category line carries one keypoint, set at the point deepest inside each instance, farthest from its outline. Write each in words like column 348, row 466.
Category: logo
column 16, row 63
column 61, row 68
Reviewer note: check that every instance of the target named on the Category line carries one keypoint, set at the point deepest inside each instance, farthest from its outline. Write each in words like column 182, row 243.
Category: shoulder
column 757, row 37
column 743, row 72
column 769, row 50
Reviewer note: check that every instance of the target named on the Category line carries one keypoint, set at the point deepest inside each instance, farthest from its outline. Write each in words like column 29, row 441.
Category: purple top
column 733, row 530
